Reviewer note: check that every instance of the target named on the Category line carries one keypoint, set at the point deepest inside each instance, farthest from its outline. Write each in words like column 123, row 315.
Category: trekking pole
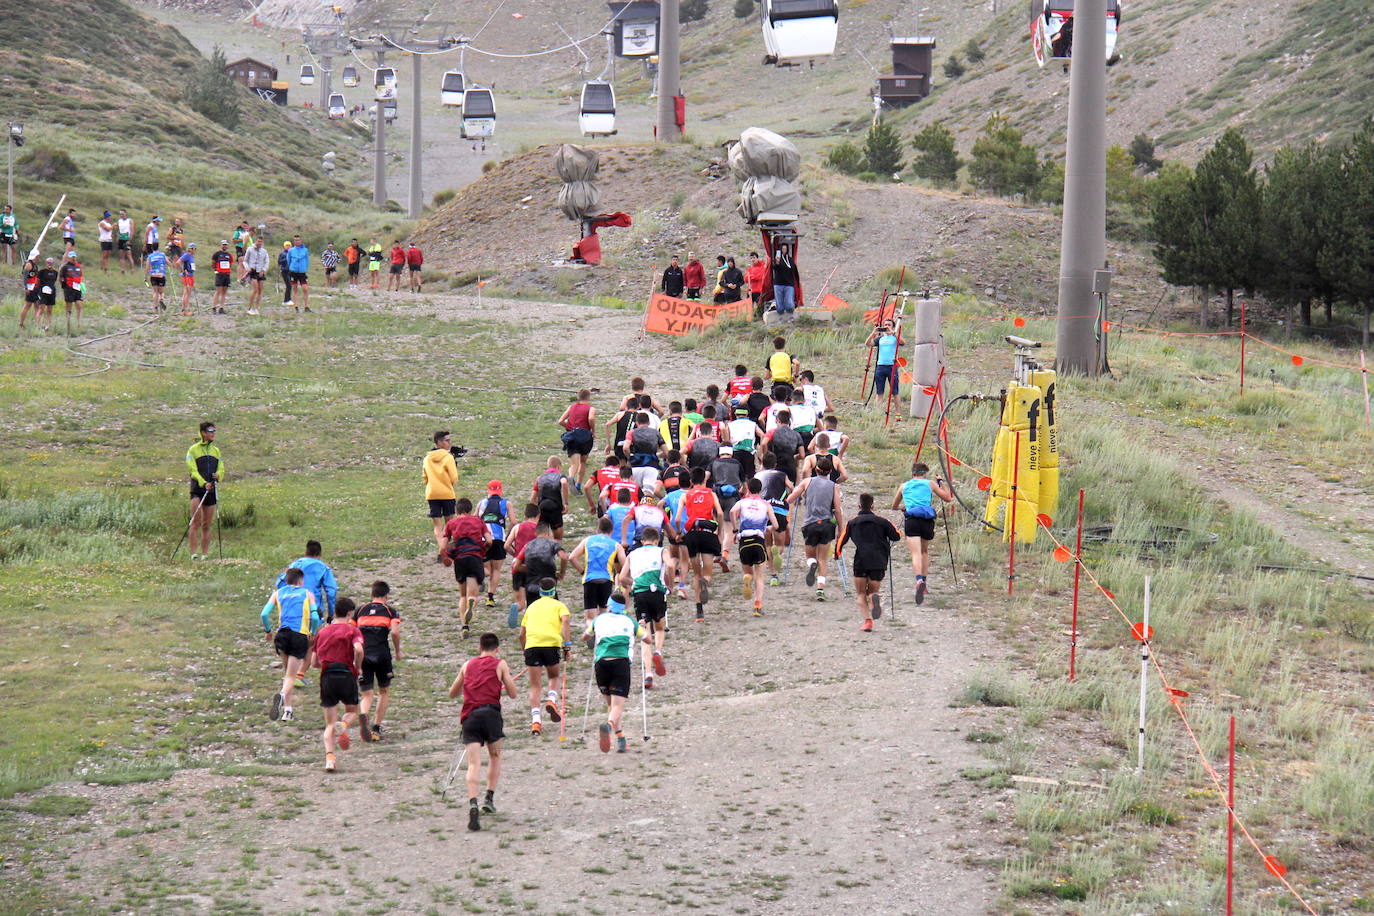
column 189, row 525
column 949, row 539
column 787, row 560
column 891, row 390
column 453, row 770
column 563, row 706
column 644, row 707
column 587, row 706
column 844, row 576
column 868, row 359
column 219, row 532
column 891, row 588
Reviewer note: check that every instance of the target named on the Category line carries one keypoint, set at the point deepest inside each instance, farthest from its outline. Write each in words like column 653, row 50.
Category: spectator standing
column 255, row 271
column 784, row 284
column 673, row 282
column 9, row 233
column 151, row 236
column 755, row 277
column 298, row 263
column 353, row 256
column 330, row 259
column 398, row 264
column 284, row 268
column 105, row 235
column 732, row 282
column 374, row 261
column 124, row 240
column 176, row 239
column 187, row 263
column 415, row 259
column 693, row 277
column 69, row 231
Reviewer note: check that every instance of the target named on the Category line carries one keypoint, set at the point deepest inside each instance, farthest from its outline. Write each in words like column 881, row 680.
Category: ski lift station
column 596, row 117
column 913, row 60
column 799, row 30
column 451, row 89
column 479, row 114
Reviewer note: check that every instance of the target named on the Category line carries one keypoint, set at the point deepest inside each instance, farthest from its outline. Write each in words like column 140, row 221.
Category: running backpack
column 495, row 511
column 702, row 452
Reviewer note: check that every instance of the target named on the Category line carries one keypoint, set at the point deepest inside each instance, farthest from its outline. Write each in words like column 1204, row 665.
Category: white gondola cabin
column 384, row 82
column 1052, row 30
column 338, row 108
column 596, row 117
column 451, row 89
column 307, row 75
column 350, row 76
column 479, row 113
column 799, row 30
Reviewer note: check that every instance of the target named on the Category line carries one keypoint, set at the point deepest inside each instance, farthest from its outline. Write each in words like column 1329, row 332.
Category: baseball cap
column 157, row 219
column 107, row 213
column 224, row 241
column 192, row 245
column 494, row 487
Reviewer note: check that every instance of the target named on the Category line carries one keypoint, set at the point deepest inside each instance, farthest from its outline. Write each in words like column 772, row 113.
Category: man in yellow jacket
column 440, row 473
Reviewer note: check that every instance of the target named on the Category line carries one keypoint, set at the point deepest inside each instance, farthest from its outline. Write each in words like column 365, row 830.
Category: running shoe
column 867, row 626
column 377, row 732
column 920, row 591
column 877, row 607
column 811, row 569
column 758, row 608
column 307, row 309
column 659, row 667
column 300, row 681
column 705, row 590
column 364, row 730
column 342, row 736
column 551, row 709
column 701, row 613
column 286, row 714
column 536, row 729
column 620, row 744
column 820, row 594
column 724, row 563
column 774, row 581
column 488, row 804
column 467, row 616
column 274, row 713
column 474, row 819
column 682, row 591
column 604, row 737
column 491, row 601
column 329, row 763
column 577, row 488
column 648, row 682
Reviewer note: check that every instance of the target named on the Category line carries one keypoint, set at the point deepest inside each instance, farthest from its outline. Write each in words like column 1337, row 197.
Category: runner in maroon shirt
column 339, row 653
column 481, row 681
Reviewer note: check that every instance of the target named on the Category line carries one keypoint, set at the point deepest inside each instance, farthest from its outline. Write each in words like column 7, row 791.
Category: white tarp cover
column 577, row 167
column 768, row 165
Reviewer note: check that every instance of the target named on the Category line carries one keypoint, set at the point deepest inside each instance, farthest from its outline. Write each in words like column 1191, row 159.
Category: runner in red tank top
column 481, row 681
column 603, row 478
column 704, row 517
column 579, row 424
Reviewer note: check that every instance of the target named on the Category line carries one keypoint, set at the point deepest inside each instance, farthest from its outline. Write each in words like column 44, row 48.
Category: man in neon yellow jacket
column 206, row 465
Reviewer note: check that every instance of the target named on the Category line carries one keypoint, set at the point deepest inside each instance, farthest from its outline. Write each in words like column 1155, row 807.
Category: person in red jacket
column 693, row 277
column 755, row 276
column 398, row 265
column 415, row 259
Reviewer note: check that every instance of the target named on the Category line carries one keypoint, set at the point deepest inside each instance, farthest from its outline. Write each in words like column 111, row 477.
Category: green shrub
column 846, row 158
column 44, row 163
column 444, row 197
column 213, row 93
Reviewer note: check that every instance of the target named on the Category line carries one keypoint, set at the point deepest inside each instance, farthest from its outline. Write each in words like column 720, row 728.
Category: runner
column 381, row 629
column 603, row 478
column 329, row 259
column 918, row 519
column 674, row 526
column 643, row 576
column 545, row 635
column 176, row 240
column 804, row 417
column 692, row 411
column 374, row 261
column 579, row 425
column 675, row 476
column 785, row 444
column 727, row 477
column 494, row 511
column 298, row 263
column 353, row 256
column 340, row 648
column 519, row 539
column 622, row 517
column 465, row 545
column 124, row 241
column 597, row 557
column 47, row 293
column 675, row 429
column 820, row 517
column 611, row 635
column 398, row 266
column 757, row 402
column 821, row 446
column 814, row 394
column 186, row 263
column 105, row 230
column 481, row 681
column 541, row 557
column 73, row 289
column 206, row 464
column 713, row 400
column 645, row 446
column 706, row 440
column 647, row 514
column 619, row 425
column 255, row 265
column 702, row 518
column 319, row 578
column 69, row 231
column 873, row 537
column 440, row 472
column 30, row 278
column 782, row 367
column 9, row 234
column 243, row 240
column 551, row 495
column 839, row 442
column 415, row 260
column 755, row 521
column 775, row 488
column 744, row 435
column 297, row 618
column 223, row 264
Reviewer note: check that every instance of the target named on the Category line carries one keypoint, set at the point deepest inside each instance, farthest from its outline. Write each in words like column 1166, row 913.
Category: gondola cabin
column 479, row 113
column 384, row 82
column 338, row 108
column 307, row 75
column 389, row 110
column 451, row 89
column 1052, row 30
column 596, row 117
column 799, row 30
column 350, row 77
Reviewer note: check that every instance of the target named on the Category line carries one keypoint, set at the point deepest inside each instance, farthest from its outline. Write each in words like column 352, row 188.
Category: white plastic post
column 1144, row 677
column 928, row 356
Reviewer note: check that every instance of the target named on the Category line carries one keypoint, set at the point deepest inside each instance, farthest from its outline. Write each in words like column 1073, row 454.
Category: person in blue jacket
column 319, row 579
column 298, row 264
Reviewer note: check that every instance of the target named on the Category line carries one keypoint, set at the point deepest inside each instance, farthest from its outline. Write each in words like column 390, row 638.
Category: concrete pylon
column 928, row 356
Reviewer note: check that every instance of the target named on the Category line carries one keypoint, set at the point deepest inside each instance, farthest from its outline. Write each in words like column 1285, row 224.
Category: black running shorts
column 923, row 528
column 338, row 685
column 874, row 574
column 380, row 670
column 483, row 726
column 469, row 568
column 752, row 551
column 782, row 521
column 221, row 281
column 596, row 593
column 496, row 550
column 206, row 497
column 291, row 642
column 157, row 281
column 613, row 677
column 543, row 657
column 551, row 514
column 443, row 508
column 819, row 533
column 699, row 542
column 651, row 606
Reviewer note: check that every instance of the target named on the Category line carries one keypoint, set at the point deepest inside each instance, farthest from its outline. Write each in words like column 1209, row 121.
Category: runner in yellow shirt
column 546, row 637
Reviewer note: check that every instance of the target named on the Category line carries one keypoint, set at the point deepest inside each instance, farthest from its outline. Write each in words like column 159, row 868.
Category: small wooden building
column 252, row 73
column 913, row 59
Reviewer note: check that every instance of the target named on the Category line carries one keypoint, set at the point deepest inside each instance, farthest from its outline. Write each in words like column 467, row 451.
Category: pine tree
column 1347, row 225
column 691, row 10
column 1001, row 163
column 1143, row 153
column 1228, row 198
column 1176, row 228
column 1295, row 197
column 953, row 68
column 938, row 160
column 882, row 150
column 974, row 53
column 212, row 93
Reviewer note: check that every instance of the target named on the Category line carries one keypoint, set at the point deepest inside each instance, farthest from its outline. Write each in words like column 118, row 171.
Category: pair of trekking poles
column 219, row 531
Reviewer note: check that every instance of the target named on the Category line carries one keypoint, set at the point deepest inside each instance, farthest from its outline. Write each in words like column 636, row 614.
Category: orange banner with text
column 667, row 315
